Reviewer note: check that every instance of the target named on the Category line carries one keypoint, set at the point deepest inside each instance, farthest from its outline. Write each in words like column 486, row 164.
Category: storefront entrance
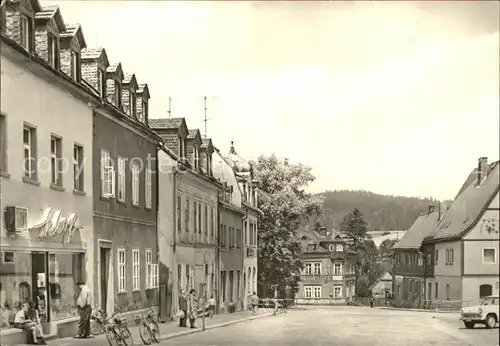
column 39, row 284
column 104, row 269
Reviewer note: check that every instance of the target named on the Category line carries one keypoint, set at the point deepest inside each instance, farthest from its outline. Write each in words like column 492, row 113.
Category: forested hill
column 382, row 212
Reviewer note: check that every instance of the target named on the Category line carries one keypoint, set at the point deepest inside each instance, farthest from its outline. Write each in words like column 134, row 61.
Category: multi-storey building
column 462, row 250
column 46, row 182
column 329, row 272
column 190, row 249
column 124, row 158
column 230, row 244
column 408, row 264
column 248, row 185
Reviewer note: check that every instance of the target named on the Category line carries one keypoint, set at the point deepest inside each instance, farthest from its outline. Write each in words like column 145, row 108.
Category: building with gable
column 46, row 226
column 188, row 222
column 329, row 272
column 248, row 184
column 462, row 249
column 408, row 264
column 230, row 244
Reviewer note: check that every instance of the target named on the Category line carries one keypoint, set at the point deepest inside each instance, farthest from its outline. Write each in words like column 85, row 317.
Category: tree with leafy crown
column 284, row 204
column 354, row 229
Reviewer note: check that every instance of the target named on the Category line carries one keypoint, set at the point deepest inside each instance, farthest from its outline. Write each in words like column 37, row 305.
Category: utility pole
column 169, row 107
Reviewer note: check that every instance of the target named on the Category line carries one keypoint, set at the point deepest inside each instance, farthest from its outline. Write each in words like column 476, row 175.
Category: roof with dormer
column 144, row 90
column 130, row 79
column 422, row 226
column 74, row 30
column 51, row 12
column 166, row 123
column 237, row 163
column 116, row 69
column 467, row 208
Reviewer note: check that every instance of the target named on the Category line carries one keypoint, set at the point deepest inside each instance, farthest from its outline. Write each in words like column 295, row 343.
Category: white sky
column 396, row 98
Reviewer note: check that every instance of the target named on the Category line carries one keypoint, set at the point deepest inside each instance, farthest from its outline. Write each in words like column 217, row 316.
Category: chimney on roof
column 482, row 169
column 431, row 209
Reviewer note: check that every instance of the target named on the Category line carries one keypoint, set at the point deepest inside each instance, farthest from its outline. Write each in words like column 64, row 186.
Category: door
column 39, row 283
column 485, row 290
column 104, row 271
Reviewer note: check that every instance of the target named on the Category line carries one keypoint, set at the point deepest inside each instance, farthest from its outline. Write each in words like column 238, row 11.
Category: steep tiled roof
column 70, row 30
column 49, row 12
column 192, row 133
column 92, row 53
column 467, row 208
column 422, row 226
column 165, row 123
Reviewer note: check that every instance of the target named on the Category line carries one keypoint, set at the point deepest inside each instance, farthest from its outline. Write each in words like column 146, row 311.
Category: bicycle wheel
column 126, row 336
column 145, row 334
column 155, row 331
column 112, row 337
column 96, row 327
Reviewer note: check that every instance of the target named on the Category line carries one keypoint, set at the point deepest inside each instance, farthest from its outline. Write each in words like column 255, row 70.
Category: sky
column 398, row 98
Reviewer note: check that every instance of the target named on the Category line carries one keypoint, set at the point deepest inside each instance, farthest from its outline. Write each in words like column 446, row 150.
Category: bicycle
column 149, row 331
column 97, row 322
column 117, row 332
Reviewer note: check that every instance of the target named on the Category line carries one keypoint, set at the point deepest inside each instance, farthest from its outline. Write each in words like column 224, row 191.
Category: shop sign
column 53, row 223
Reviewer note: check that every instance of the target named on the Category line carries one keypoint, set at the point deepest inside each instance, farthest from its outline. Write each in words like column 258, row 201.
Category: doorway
column 105, row 254
column 39, row 284
column 485, row 290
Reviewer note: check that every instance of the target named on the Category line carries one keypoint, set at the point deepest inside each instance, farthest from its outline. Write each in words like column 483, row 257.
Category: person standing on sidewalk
column 183, row 307
column 211, row 306
column 84, row 303
column 255, row 303
column 192, row 307
column 372, row 301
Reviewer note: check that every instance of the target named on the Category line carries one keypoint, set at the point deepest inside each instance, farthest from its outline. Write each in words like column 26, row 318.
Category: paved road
column 345, row 326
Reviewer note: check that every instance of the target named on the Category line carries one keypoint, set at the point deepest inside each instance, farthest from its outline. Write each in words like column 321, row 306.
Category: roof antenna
column 169, row 107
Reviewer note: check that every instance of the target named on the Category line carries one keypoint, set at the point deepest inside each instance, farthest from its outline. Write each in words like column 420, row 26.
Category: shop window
column 65, row 270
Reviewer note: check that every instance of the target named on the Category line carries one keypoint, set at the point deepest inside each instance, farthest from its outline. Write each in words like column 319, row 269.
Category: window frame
column 150, row 270
column 136, row 184
column 494, row 255
column 26, row 34
column 339, row 266
column 148, row 188
column 78, row 181
column 317, row 268
column 75, row 63
column 121, row 173
column 335, row 295
column 3, row 144
column 118, row 94
column 186, row 215
column 52, row 51
column 107, row 171
column 121, row 269
column 31, row 160
column 178, row 216
column 339, row 248
column 308, row 292
column 56, row 160
column 136, row 270
column 316, row 291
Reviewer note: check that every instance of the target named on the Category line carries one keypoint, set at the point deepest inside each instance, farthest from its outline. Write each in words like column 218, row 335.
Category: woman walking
column 192, row 307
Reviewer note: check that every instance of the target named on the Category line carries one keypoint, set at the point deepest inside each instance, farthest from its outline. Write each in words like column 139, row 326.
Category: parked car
column 486, row 313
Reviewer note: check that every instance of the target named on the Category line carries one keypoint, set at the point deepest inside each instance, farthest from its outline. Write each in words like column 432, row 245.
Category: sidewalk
column 421, row 310
column 169, row 330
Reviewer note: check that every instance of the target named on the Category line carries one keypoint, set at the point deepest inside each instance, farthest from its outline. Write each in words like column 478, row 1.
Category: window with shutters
column 120, row 189
column 136, row 270
column 122, row 270
column 135, row 184
column 107, row 175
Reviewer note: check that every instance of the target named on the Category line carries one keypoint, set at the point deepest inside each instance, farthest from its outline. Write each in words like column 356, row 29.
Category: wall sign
column 53, row 223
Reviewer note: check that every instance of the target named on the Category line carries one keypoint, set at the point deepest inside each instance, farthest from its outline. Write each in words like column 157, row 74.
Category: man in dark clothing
column 84, row 303
column 183, row 307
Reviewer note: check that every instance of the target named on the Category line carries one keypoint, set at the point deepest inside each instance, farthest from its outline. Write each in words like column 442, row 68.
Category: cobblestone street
column 346, row 326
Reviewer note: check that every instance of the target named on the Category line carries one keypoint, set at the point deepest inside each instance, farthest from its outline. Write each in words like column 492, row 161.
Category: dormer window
column 131, row 103
column 209, row 165
column 196, row 157
column 340, row 248
column 75, row 63
column 101, row 82
column 331, row 248
column 52, row 50
column 26, row 32
column 182, row 146
column 118, row 93
column 144, row 114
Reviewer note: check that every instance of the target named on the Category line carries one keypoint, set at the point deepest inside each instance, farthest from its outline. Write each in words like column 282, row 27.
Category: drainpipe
column 217, row 258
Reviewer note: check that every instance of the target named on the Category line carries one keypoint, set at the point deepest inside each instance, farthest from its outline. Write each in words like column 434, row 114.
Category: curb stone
column 224, row 324
column 419, row 310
